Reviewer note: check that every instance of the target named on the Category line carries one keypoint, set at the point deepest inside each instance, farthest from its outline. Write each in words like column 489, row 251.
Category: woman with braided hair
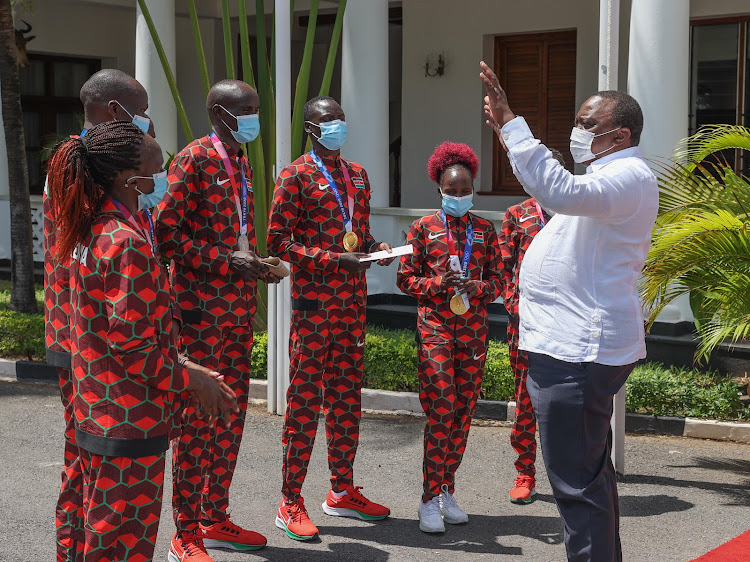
column 454, row 272
column 126, row 372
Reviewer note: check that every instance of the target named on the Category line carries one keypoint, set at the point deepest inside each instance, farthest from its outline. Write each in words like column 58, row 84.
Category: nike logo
column 322, row 187
column 205, row 532
column 433, row 235
column 478, row 357
column 222, row 182
column 360, row 344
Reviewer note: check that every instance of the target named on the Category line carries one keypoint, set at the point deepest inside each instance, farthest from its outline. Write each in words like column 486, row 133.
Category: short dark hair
column 307, row 111
column 106, row 85
column 626, row 112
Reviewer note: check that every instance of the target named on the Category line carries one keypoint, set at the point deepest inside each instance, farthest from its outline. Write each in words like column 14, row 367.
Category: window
column 720, row 78
column 538, row 72
column 51, row 108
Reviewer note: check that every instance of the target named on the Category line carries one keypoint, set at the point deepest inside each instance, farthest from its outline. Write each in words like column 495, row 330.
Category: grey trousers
column 573, row 406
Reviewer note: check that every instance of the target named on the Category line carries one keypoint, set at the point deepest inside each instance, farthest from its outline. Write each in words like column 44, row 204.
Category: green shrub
column 499, row 382
column 390, row 360
column 655, row 389
column 260, row 356
column 21, row 335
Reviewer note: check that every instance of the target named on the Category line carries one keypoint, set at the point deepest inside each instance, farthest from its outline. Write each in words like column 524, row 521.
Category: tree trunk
column 22, row 296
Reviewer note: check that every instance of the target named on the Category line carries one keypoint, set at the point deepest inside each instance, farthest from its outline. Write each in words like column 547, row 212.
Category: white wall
column 450, row 107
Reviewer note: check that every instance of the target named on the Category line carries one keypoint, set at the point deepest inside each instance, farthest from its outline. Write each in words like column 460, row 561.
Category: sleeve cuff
column 515, row 131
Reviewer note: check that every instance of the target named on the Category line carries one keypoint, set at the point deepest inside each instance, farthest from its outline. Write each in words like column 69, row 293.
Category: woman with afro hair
column 454, row 273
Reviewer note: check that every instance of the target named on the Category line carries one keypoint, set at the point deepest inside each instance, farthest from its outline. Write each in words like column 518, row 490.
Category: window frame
column 48, row 106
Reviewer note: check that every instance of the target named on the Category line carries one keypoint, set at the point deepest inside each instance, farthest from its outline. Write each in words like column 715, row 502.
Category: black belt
column 114, row 447
column 58, row 358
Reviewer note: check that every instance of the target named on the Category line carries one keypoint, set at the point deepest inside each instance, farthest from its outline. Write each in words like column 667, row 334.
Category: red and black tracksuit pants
column 121, row 505
column 69, row 510
column 523, row 433
column 450, row 379
column 326, row 354
column 204, row 456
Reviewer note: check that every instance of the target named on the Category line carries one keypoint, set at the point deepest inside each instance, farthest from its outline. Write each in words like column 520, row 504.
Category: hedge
column 391, row 364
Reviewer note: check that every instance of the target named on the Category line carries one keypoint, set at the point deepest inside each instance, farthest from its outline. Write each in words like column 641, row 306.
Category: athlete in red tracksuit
column 205, row 225
column 107, row 95
column 452, row 345
column 126, row 375
column 307, row 227
column 522, row 222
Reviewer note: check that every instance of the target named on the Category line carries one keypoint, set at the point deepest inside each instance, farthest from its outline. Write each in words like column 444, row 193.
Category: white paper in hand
column 385, row 254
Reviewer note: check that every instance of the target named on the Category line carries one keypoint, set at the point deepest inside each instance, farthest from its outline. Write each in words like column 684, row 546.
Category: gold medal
column 243, row 243
column 457, row 305
column 351, row 241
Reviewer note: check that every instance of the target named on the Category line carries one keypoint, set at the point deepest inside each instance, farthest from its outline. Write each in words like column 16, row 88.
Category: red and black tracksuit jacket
column 124, row 360
column 420, row 275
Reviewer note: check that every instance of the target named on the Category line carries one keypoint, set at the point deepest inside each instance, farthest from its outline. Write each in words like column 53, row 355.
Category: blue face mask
column 332, row 134
column 248, row 126
column 143, row 123
column 151, row 200
column 457, row 206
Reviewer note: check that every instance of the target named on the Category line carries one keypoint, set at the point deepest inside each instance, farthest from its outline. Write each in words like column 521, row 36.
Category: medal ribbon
column 453, row 243
column 332, row 185
column 138, row 226
column 541, row 214
column 242, row 204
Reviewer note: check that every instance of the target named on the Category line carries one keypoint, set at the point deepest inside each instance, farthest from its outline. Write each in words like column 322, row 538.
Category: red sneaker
column 524, row 490
column 187, row 547
column 228, row 536
column 293, row 518
column 354, row 504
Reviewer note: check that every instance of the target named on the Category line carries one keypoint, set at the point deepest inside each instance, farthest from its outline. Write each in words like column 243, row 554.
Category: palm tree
column 701, row 242
column 22, row 259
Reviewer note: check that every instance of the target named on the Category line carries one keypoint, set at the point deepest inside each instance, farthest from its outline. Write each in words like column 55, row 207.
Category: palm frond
column 709, row 140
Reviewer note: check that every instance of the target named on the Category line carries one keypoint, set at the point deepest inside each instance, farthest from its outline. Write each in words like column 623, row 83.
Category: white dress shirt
column 579, row 300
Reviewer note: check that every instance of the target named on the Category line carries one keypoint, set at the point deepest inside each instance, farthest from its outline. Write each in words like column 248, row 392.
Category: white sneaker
column 452, row 514
column 430, row 519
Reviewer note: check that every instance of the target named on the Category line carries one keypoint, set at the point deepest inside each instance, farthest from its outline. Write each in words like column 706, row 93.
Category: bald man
column 205, row 225
column 108, row 95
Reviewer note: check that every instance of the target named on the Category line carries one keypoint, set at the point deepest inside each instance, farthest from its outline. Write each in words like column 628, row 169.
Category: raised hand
column 496, row 102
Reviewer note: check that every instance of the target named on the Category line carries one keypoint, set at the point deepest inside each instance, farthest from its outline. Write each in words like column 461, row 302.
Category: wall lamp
column 431, row 68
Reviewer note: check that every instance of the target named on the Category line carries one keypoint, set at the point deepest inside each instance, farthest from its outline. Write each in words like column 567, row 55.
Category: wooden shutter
column 538, row 72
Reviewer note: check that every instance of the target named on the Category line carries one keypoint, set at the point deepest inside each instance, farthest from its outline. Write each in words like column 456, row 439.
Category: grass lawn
column 391, row 364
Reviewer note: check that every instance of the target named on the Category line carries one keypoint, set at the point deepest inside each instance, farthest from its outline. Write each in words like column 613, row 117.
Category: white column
column 279, row 296
column 659, row 78
column 364, row 91
column 150, row 73
column 609, row 52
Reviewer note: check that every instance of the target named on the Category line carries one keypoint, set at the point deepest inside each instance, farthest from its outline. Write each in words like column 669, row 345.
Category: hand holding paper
column 384, row 254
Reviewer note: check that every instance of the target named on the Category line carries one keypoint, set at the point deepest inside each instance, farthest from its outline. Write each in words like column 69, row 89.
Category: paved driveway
column 681, row 497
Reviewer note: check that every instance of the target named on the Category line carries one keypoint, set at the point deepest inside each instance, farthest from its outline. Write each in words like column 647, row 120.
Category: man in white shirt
column 581, row 320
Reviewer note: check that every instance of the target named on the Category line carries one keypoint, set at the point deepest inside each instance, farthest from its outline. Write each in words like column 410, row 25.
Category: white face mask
column 580, row 144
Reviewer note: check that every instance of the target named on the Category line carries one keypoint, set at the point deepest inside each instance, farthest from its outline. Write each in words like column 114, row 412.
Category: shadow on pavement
column 737, row 494
column 482, row 535
column 337, row 551
column 645, row 506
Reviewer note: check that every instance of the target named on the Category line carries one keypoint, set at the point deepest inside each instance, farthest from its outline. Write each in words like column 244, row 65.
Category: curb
column 407, row 403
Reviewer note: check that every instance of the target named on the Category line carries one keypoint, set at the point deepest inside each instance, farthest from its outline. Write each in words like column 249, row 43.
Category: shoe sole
column 523, row 502
column 341, row 512
column 431, row 531
column 229, row 545
column 281, row 525
column 172, row 557
column 449, row 521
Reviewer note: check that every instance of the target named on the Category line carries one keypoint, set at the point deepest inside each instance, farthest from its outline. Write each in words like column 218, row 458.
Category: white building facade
column 686, row 61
